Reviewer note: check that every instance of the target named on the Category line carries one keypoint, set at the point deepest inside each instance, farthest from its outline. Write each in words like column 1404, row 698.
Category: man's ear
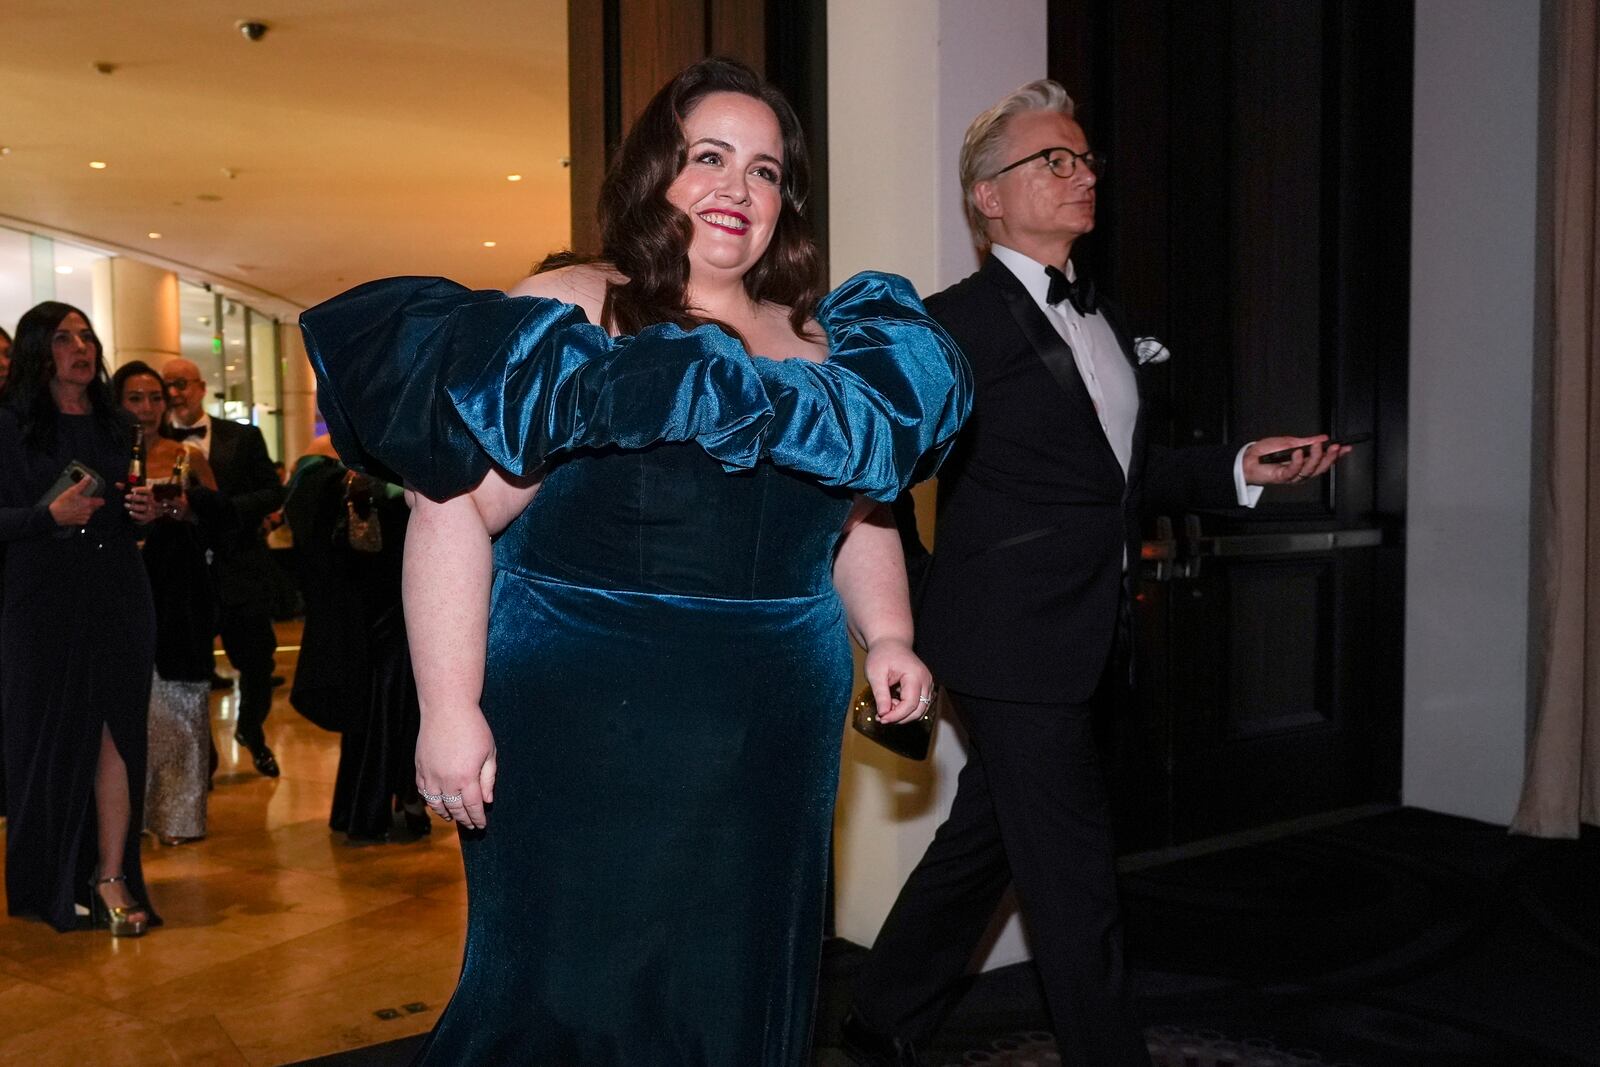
column 987, row 199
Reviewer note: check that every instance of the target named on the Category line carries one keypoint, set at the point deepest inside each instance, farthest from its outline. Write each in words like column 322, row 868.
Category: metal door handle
column 1232, row 546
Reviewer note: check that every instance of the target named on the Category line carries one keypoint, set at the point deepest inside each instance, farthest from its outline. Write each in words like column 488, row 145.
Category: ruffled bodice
column 424, row 381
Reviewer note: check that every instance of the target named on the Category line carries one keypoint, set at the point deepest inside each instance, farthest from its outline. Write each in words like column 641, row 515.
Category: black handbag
column 910, row 739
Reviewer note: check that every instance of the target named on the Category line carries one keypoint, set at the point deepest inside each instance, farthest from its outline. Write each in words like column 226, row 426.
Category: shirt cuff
column 1247, row 495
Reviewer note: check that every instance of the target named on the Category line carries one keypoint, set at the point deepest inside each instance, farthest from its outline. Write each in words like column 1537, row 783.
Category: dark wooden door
column 1256, row 220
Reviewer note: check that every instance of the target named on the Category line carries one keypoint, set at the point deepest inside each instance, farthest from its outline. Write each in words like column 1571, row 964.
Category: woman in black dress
column 354, row 671
column 77, row 633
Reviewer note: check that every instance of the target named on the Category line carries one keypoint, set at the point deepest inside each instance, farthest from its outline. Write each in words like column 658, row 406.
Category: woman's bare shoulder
column 583, row 284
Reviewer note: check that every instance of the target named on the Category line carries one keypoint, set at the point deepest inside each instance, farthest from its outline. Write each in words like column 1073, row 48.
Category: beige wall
column 1476, row 314
column 905, row 77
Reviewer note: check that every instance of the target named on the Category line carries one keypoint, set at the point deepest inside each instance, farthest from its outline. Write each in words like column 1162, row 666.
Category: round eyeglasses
column 1062, row 161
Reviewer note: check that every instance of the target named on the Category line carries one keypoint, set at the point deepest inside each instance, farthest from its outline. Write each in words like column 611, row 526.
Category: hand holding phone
column 74, row 505
column 1284, row 455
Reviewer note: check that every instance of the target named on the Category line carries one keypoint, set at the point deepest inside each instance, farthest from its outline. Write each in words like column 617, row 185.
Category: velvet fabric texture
column 668, row 669
column 77, row 636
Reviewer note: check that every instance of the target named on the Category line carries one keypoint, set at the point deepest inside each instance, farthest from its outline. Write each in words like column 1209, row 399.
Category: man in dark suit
column 250, row 486
column 1037, row 525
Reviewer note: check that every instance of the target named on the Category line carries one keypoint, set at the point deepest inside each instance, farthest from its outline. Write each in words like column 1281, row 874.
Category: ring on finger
column 450, row 798
column 430, row 798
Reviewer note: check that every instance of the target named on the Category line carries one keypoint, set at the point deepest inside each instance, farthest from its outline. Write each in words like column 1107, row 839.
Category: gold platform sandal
column 119, row 919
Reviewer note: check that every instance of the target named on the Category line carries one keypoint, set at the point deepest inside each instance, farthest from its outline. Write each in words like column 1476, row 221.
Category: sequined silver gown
column 178, row 769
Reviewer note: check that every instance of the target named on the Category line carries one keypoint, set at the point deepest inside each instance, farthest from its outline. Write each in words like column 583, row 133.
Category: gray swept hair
column 980, row 149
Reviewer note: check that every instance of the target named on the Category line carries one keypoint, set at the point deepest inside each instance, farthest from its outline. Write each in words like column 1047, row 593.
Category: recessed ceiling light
column 513, row 177
column 95, row 164
column 488, row 244
column 63, row 269
column 153, row 235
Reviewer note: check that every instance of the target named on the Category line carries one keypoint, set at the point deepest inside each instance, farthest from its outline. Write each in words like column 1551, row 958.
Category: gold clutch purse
column 909, row 739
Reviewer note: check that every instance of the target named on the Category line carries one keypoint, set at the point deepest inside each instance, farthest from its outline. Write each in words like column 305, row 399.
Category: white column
column 905, row 77
column 136, row 311
column 1474, row 299
column 299, row 401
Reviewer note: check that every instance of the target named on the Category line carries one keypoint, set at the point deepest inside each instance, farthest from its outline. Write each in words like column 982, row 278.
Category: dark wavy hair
column 33, row 365
column 647, row 239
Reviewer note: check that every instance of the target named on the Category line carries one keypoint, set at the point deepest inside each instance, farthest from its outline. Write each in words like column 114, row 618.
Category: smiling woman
column 631, row 570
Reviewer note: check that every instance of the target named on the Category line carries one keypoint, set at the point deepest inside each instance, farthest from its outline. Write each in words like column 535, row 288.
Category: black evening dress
column 77, row 636
column 668, row 668
column 353, row 674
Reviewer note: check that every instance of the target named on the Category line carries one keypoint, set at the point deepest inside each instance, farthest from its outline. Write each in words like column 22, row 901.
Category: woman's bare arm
column 445, row 586
column 869, row 574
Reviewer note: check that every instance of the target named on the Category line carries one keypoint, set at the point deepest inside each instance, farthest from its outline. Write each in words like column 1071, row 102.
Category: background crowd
column 133, row 541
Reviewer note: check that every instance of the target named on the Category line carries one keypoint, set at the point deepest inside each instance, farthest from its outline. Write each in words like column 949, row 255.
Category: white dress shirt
column 1102, row 364
column 203, row 442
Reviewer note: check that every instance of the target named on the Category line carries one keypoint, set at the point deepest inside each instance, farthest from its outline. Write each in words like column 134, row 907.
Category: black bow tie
column 183, row 433
column 1079, row 291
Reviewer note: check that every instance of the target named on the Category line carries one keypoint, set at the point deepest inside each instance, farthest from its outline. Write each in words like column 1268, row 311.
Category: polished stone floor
column 281, row 942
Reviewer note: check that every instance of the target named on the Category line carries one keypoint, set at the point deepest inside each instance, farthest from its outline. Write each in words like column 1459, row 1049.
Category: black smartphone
column 1283, row 455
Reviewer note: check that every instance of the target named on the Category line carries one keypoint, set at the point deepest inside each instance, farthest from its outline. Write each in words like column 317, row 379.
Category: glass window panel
column 16, row 278
column 263, row 347
column 200, row 341
column 237, row 401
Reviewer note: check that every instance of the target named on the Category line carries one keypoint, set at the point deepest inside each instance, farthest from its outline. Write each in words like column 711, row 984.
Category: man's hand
column 1310, row 460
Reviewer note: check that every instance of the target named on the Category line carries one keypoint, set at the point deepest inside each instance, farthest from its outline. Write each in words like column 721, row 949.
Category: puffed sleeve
column 426, row 382
column 883, row 410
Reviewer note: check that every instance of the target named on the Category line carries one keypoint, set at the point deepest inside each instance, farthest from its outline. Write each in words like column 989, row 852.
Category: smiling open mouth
column 723, row 220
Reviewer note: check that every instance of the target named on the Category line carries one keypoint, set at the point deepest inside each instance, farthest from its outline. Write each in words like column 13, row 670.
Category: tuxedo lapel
column 1048, row 345
column 1053, row 352
column 222, row 452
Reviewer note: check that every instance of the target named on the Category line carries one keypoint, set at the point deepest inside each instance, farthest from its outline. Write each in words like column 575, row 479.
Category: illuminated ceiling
column 363, row 137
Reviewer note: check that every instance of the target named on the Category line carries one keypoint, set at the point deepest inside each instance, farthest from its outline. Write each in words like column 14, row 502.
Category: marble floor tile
column 281, row 940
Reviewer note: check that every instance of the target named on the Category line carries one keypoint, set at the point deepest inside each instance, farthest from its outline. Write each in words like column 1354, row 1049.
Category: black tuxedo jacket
column 248, row 483
column 1020, row 599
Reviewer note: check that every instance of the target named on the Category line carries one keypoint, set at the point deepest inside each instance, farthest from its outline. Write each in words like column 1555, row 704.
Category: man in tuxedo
column 1037, row 526
column 248, row 483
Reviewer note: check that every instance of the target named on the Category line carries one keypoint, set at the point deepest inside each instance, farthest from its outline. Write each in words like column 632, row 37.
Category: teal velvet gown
column 668, row 668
